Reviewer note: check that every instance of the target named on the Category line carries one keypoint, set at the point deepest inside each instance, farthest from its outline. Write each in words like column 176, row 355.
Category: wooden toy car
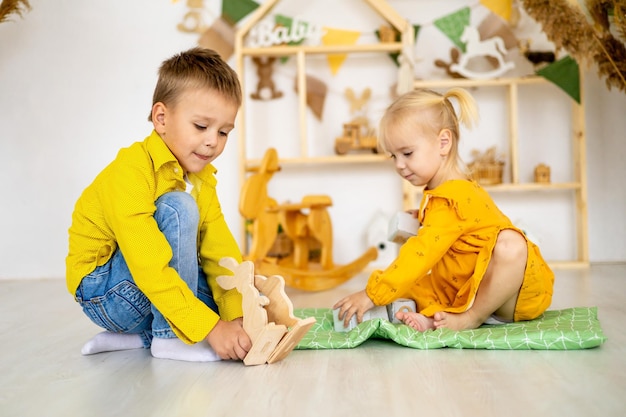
column 353, row 140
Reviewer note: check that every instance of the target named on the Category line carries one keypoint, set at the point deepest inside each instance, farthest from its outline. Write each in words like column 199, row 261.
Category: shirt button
column 175, row 170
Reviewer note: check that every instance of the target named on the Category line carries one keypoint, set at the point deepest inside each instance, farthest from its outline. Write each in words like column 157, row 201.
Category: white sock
column 178, row 350
column 109, row 341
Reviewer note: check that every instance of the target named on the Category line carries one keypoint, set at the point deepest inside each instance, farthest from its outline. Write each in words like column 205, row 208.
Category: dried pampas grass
column 566, row 25
column 8, row 7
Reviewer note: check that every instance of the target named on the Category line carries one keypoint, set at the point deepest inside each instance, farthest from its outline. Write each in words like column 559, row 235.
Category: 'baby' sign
column 266, row 33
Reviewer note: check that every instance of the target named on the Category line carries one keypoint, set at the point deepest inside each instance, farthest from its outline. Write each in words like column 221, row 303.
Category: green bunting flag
column 235, row 10
column 453, row 24
column 564, row 74
column 395, row 55
column 287, row 21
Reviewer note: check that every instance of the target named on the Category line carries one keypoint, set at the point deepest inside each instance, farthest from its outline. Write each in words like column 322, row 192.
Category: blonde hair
column 431, row 112
column 195, row 68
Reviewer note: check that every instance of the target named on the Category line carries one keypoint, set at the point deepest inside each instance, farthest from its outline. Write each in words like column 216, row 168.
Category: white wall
column 76, row 82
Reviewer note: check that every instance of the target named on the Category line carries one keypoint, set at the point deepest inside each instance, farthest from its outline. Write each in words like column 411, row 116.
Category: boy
column 147, row 234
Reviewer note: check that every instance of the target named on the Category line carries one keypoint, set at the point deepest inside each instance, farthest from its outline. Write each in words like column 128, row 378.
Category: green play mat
column 568, row 329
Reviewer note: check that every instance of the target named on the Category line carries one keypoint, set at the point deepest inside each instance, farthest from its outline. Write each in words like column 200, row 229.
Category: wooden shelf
column 466, row 83
column 251, row 164
column 411, row 192
column 532, row 187
column 322, row 49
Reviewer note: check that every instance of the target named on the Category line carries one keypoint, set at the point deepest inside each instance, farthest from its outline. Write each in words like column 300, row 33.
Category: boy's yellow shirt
column 117, row 211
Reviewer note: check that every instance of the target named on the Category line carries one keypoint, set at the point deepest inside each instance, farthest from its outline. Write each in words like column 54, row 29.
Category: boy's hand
column 357, row 303
column 229, row 340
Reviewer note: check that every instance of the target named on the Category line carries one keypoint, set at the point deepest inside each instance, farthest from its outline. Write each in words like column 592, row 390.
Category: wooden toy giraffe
column 267, row 312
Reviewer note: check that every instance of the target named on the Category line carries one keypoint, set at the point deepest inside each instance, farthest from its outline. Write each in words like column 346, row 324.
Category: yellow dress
column 442, row 267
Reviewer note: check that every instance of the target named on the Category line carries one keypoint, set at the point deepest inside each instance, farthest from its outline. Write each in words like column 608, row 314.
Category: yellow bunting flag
column 500, row 7
column 338, row 37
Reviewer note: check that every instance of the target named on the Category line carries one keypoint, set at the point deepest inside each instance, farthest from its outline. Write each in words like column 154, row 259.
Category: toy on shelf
column 454, row 60
column 537, row 58
column 267, row 313
column 475, row 47
column 542, row 174
column 304, row 223
column 357, row 134
column 487, row 167
column 387, row 34
column 265, row 85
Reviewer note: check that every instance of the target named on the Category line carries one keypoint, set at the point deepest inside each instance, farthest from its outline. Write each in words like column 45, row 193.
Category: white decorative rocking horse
column 493, row 47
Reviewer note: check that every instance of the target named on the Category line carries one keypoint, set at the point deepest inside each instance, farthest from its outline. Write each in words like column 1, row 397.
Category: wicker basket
column 487, row 167
column 487, row 173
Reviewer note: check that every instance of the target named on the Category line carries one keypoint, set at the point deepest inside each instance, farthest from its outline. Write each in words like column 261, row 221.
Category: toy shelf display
column 302, row 53
column 514, row 175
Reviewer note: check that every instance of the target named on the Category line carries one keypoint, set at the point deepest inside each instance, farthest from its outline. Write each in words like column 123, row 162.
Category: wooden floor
column 44, row 374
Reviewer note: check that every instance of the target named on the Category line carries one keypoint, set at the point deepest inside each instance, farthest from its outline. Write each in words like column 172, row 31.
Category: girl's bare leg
column 499, row 288
column 417, row 321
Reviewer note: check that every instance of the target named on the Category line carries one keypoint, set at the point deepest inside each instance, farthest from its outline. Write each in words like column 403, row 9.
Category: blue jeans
column 112, row 300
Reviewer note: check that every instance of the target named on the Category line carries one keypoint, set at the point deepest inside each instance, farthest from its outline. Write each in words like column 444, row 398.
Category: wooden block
column 265, row 343
column 378, row 312
column 291, row 339
column 402, row 304
column 338, row 324
column 401, row 227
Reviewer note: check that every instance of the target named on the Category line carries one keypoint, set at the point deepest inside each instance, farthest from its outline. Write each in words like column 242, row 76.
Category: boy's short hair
column 195, row 68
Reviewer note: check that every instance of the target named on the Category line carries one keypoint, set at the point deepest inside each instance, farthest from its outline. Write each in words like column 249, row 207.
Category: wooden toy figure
column 542, row 174
column 387, row 34
column 357, row 133
column 454, row 60
column 194, row 20
column 267, row 313
column 264, row 69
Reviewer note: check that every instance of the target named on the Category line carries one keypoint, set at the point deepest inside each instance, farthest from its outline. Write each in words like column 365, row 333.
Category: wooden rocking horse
column 303, row 223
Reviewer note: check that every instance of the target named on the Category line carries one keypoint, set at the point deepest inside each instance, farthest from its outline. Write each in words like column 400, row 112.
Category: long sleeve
column 440, row 229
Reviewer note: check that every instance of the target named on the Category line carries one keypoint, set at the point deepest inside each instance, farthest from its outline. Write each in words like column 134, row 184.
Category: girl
column 468, row 263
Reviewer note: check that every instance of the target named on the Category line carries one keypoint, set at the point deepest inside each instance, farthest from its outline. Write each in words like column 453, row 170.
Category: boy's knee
column 179, row 203
column 177, row 200
column 510, row 246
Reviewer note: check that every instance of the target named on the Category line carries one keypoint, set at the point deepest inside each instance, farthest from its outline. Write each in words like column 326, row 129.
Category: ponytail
column 468, row 111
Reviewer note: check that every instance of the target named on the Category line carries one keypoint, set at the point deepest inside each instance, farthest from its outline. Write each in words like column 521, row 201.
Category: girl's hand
column 357, row 303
